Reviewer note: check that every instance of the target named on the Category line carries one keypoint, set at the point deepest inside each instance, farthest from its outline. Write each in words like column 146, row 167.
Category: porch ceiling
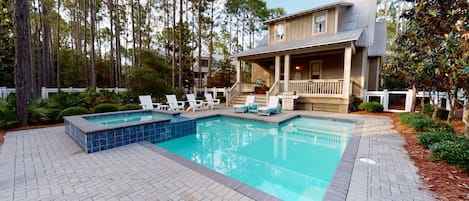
column 303, row 46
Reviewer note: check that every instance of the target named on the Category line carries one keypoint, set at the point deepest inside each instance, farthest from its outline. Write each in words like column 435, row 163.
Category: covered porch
column 323, row 77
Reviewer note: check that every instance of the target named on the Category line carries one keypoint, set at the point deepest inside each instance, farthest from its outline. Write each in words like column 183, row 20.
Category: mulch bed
column 445, row 181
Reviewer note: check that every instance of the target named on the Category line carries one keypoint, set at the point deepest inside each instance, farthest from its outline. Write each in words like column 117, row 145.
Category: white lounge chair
column 174, row 104
column 244, row 108
column 146, row 103
column 272, row 107
column 193, row 103
column 211, row 102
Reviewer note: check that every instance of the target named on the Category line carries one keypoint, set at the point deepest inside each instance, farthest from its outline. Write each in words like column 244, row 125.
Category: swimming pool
column 125, row 118
column 295, row 160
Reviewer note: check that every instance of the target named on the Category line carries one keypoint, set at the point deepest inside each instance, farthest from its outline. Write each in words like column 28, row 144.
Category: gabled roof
column 341, row 37
column 315, row 9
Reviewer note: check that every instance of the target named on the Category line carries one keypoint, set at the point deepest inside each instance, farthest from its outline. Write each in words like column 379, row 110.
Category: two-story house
column 204, row 67
column 328, row 55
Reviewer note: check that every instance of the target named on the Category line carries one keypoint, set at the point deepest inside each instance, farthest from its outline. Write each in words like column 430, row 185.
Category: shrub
column 440, row 127
column 64, row 100
column 442, row 113
column 453, row 152
column 130, row 106
column 222, row 98
column 105, row 107
column 421, row 124
column 428, row 109
column 41, row 112
column 70, row 112
column 371, row 107
column 430, row 138
column 8, row 112
column 406, row 118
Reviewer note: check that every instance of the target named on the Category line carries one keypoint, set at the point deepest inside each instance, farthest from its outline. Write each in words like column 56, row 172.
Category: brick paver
column 46, row 164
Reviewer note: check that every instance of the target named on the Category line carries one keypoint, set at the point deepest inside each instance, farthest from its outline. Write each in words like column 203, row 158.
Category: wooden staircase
column 241, row 99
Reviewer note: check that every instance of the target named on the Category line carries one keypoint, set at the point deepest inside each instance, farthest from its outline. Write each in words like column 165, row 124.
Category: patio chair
column 272, row 107
column 211, row 102
column 174, row 104
column 250, row 100
column 146, row 103
column 193, row 103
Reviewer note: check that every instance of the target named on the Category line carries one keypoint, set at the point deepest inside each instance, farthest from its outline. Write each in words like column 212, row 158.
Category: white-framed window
column 280, row 31
column 319, row 22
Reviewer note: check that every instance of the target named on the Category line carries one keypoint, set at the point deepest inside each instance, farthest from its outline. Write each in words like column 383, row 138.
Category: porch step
column 241, row 99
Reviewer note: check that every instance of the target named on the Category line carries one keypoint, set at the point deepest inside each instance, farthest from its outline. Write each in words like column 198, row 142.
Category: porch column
column 347, row 69
column 287, row 72
column 238, row 71
column 277, row 68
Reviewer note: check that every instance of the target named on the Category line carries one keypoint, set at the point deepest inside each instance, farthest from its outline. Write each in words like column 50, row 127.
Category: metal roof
column 315, row 9
column 340, row 37
column 361, row 15
column 379, row 43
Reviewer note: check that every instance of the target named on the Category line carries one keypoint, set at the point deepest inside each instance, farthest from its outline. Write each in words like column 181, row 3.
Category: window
column 315, row 69
column 204, row 63
column 280, row 31
column 319, row 25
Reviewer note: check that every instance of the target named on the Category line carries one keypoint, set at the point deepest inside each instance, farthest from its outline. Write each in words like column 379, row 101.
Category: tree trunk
column 58, row 46
column 46, row 76
column 139, row 26
column 93, row 27
column 414, row 97
column 422, row 102
column 111, row 44
column 210, row 44
column 118, row 46
column 133, row 33
column 173, row 81
column 451, row 99
column 22, row 29
column 435, row 104
column 465, row 117
column 85, row 46
column 199, row 43
column 181, row 29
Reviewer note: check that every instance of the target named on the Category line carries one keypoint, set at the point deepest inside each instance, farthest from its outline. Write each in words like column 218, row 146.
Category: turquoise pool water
column 293, row 161
column 125, row 118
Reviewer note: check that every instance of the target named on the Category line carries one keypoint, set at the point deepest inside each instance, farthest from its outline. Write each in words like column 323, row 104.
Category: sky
column 292, row 6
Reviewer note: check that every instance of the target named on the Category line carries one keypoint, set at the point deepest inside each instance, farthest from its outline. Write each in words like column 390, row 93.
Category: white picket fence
column 215, row 91
column 441, row 98
column 45, row 92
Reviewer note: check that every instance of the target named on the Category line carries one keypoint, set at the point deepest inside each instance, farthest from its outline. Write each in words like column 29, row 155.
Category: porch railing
column 232, row 93
column 324, row 87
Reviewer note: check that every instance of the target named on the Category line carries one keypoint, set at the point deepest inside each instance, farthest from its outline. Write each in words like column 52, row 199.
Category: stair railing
column 232, row 93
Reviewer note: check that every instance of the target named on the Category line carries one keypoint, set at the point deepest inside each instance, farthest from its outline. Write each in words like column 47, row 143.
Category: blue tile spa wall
column 152, row 132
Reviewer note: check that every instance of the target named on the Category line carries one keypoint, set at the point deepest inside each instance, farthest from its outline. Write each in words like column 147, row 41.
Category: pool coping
column 338, row 187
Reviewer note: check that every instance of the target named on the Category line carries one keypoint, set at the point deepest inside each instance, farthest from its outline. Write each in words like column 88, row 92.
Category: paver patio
column 46, row 164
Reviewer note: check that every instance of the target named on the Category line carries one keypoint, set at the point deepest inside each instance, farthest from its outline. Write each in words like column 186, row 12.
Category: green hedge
column 105, row 107
column 70, row 112
column 371, row 107
column 430, row 138
column 454, row 152
column 130, row 106
column 420, row 122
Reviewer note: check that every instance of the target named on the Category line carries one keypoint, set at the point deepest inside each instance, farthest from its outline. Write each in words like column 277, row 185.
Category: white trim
column 325, row 13
column 336, row 19
column 320, row 68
